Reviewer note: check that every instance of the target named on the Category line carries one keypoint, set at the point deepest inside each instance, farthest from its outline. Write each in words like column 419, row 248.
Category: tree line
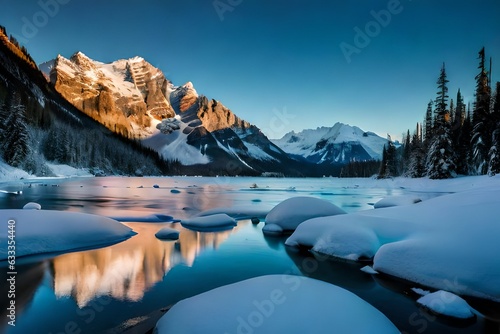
column 454, row 140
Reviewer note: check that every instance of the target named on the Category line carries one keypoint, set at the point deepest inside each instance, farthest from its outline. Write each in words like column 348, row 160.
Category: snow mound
column 275, row 304
column 447, row 304
column 32, row 206
column 272, row 229
column 397, row 201
column 154, row 218
column 44, row 231
column 420, row 292
column 238, row 212
column 292, row 212
column 448, row 242
column 209, row 223
column 369, row 270
column 167, row 233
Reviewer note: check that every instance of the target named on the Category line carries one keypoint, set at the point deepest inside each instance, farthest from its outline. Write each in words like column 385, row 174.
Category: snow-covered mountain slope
column 341, row 143
column 133, row 98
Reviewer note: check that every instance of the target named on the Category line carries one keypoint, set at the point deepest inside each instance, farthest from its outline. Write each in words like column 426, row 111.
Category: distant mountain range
column 339, row 144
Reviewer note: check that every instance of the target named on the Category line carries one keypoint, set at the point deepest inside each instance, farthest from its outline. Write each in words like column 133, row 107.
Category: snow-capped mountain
column 338, row 144
column 133, row 98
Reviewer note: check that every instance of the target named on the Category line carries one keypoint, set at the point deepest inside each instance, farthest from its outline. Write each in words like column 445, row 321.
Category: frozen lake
column 127, row 287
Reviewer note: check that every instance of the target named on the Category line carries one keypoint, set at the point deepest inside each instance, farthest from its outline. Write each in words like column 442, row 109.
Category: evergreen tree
column 494, row 153
column 416, row 166
column 406, row 152
column 428, row 124
column 463, row 150
column 383, row 172
column 481, row 133
column 15, row 136
column 440, row 162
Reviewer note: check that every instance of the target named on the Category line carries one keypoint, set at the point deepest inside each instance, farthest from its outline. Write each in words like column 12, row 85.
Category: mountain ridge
column 133, row 98
column 339, row 144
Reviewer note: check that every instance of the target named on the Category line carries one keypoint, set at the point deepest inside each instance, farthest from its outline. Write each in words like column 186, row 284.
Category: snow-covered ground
column 275, row 304
column 9, row 173
column 448, row 242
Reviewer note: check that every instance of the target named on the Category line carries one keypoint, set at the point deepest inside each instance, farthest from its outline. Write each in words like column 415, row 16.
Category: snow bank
column 167, row 233
column 209, row 223
column 293, row 211
column 68, row 171
column 275, row 304
column 447, row 304
column 448, row 242
column 397, row 201
column 43, row 231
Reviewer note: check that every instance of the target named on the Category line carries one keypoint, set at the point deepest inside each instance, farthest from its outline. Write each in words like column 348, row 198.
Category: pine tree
column 15, row 136
column 440, row 156
column 406, row 152
column 494, row 153
column 481, row 133
column 383, row 172
column 428, row 124
column 416, row 166
column 463, row 150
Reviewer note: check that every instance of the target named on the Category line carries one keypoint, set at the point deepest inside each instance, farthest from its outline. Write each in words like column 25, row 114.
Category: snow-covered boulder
column 44, row 231
column 293, row 211
column 448, row 242
column 369, row 270
column 272, row 229
column 447, row 304
column 32, row 206
column 239, row 212
column 215, row 222
column 167, row 233
column 275, row 304
column 397, row 201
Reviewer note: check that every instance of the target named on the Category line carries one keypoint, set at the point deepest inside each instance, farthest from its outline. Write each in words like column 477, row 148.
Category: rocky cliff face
column 124, row 95
column 133, row 98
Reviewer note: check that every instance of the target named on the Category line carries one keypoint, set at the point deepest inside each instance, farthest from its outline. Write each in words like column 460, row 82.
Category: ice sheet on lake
column 275, row 304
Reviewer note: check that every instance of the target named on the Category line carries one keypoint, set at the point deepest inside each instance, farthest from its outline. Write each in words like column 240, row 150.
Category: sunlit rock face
column 125, row 95
column 125, row 271
column 132, row 98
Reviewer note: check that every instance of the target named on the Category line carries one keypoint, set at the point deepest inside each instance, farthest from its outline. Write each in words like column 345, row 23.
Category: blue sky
column 281, row 64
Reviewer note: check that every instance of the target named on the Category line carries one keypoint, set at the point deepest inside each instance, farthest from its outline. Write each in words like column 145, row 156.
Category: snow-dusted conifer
column 481, row 133
column 440, row 161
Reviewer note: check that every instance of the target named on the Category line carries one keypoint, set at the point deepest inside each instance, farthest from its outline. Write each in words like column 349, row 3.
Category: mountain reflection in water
column 127, row 270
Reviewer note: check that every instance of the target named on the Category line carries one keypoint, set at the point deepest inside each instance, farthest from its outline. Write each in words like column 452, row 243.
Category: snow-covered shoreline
column 449, row 242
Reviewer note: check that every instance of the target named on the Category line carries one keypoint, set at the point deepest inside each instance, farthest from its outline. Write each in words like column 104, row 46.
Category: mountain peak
column 340, row 143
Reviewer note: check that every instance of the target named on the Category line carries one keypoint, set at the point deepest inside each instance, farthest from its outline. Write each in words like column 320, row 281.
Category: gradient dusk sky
column 264, row 59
